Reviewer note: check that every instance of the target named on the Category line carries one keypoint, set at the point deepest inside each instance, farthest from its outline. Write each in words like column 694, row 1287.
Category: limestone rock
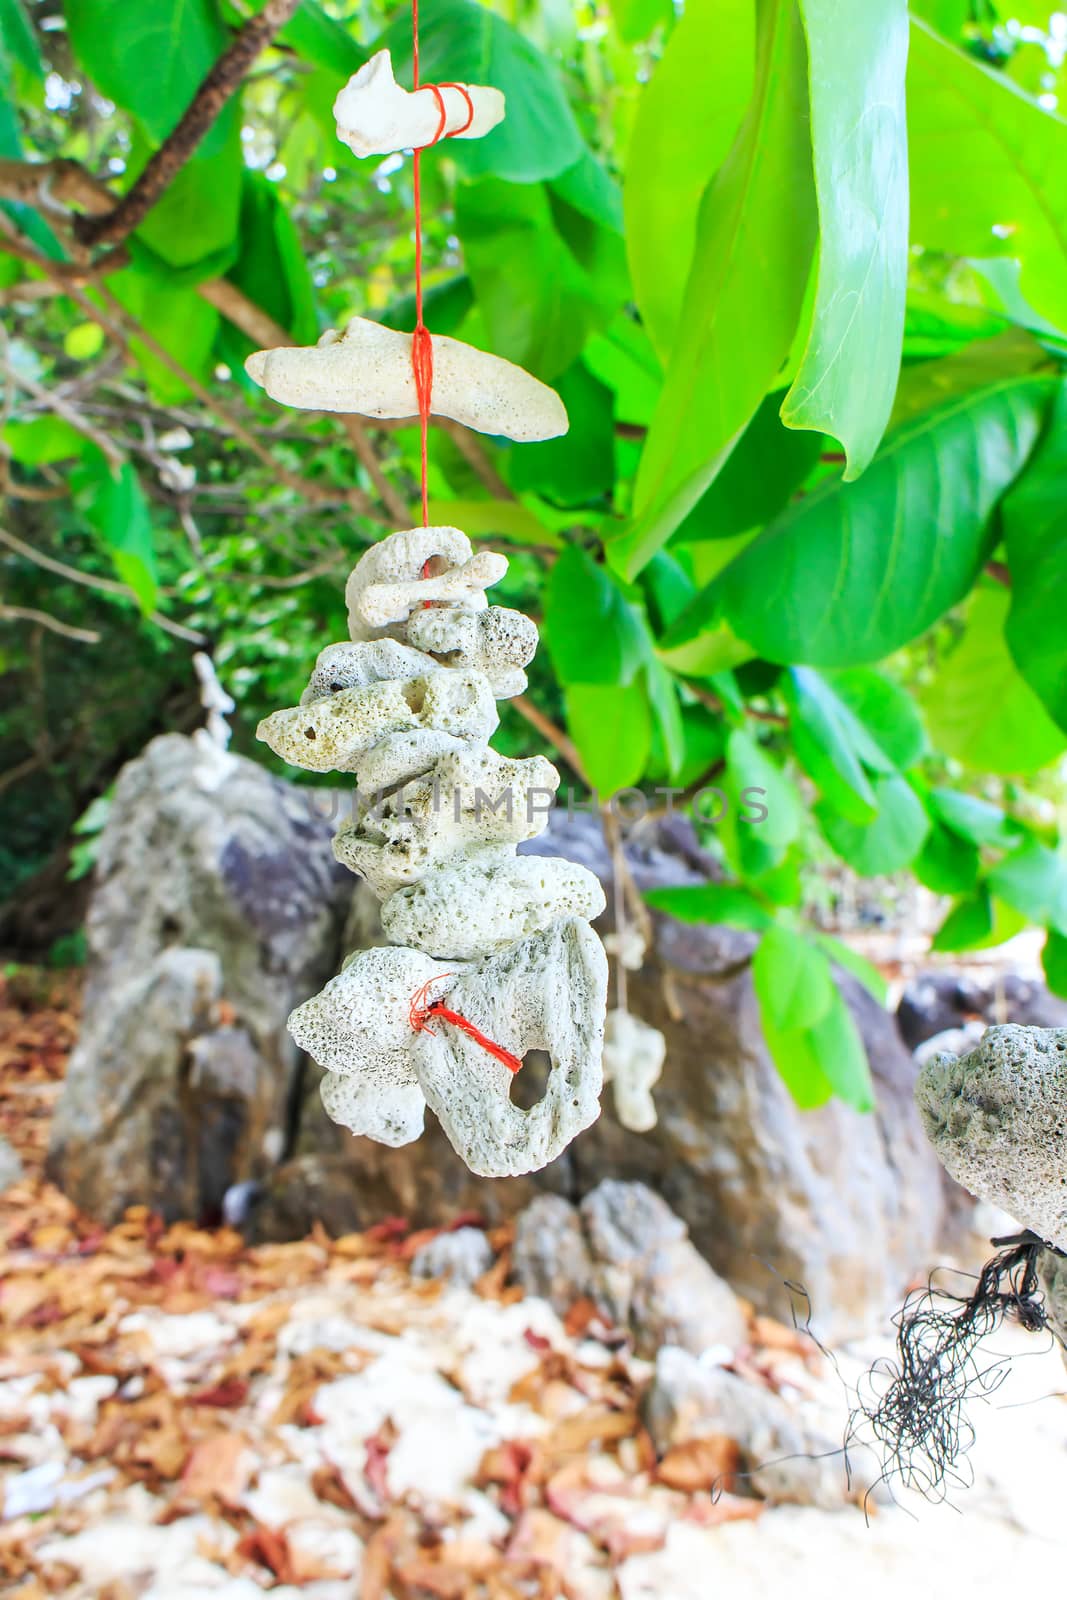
column 934, row 1002
column 633, row 1062
column 330, row 734
column 376, row 117
column 242, row 873
column 779, row 1454
column 366, row 368
column 542, row 993
column 997, row 1119
column 353, row 666
column 471, row 801
column 480, row 907
column 497, row 641
column 550, row 1255
column 461, row 1256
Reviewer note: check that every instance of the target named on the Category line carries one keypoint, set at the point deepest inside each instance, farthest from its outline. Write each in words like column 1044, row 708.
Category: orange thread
column 421, row 1010
column 421, row 341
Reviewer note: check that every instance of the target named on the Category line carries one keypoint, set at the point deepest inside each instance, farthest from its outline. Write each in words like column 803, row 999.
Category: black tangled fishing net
column 914, row 1408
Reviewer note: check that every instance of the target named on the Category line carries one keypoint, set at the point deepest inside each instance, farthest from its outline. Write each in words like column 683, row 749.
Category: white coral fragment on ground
column 634, row 1053
column 377, row 117
column 366, row 369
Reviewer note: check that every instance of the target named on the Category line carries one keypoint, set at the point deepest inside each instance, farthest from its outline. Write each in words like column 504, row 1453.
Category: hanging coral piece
column 494, row 955
column 376, row 117
column 634, row 1053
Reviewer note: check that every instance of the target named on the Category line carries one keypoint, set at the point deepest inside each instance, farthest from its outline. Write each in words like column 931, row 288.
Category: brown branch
column 53, row 401
column 554, row 735
column 224, row 79
column 46, row 620
column 999, row 571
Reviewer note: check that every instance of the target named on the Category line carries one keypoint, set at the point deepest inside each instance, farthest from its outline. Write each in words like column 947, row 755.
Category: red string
column 421, row 1010
column 421, row 342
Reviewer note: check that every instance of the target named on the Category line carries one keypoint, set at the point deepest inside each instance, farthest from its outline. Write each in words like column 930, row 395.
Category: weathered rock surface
column 998, row 1121
column 848, row 1205
column 625, row 1249
column 935, row 1002
column 217, row 906
column 781, row 1459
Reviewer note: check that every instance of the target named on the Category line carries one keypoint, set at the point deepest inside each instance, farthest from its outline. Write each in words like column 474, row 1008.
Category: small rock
column 779, row 1455
column 550, row 1257
column 10, row 1166
column 461, row 1257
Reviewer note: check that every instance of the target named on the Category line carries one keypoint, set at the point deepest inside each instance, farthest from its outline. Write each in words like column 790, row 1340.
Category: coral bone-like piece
column 383, row 603
column 330, row 734
column 366, row 369
column 376, row 117
column 634, row 1053
column 479, row 907
column 353, row 666
column 497, row 641
column 543, row 993
column 407, row 557
column 998, row 1121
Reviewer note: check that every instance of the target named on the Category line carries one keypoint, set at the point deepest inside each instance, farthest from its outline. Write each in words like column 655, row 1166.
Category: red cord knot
column 422, row 1009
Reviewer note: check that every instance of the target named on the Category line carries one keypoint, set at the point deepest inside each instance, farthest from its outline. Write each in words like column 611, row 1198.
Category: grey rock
column 10, row 1166
column 935, row 1002
column 217, row 906
column 1053, row 1270
column 461, row 1256
column 625, row 1249
column 997, row 1119
column 782, row 1459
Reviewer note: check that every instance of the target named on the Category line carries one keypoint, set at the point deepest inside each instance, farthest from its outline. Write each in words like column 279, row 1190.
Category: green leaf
column 754, row 782
column 183, row 323
column 840, row 1052
column 1008, row 163
column 860, row 968
column 635, row 19
column 271, row 268
column 41, row 440
column 979, row 708
column 195, row 225
column 855, row 570
column 978, row 821
column 792, row 980
column 580, row 465
column 663, row 698
column 623, row 358
column 612, row 727
column 17, row 39
column 795, row 1055
column 466, row 43
column 1054, row 961
column 978, row 923
column 545, row 276
column 765, row 467
column 319, row 39
column 1035, row 537
column 118, row 511
column 887, row 713
column 149, row 58
column 848, row 372
column 887, row 844
column 712, row 903
column 84, row 340
column 503, row 519
column 594, row 634
column 823, row 733
column 672, row 156
column 755, row 236
column 1033, row 881
column 947, row 864
column 589, row 188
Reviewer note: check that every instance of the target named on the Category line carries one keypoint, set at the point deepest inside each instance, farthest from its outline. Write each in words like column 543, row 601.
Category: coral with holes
column 493, row 958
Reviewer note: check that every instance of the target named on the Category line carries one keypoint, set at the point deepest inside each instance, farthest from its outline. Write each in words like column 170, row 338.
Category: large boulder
column 217, row 907
column 846, row 1204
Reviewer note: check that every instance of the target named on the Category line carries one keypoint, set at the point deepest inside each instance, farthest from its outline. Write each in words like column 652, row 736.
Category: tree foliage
column 806, row 534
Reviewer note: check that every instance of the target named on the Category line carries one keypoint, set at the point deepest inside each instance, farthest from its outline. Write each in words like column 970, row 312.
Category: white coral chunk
column 479, row 907
column 543, row 993
column 376, row 117
column 352, row 666
column 403, row 558
column 634, row 1053
column 366, row 369
column 497, row 641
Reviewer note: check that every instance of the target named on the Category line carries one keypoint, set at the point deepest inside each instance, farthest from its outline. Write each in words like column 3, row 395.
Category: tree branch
column 46, row 620
column 225, row 77
column 555, row 736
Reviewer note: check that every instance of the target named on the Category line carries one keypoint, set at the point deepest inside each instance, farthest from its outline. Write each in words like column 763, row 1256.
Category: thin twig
column 52, row 400
column 223, row 80
column 46, row 620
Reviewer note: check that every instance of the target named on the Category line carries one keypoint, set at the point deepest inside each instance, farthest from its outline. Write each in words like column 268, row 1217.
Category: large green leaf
column 855, row 570
column 848, row 372
column 196, row 223
column 319, row 39
column 1033, row 881
column 272, row 268
column 179, row 320
column 1054, row 961
column 545, row 275
column 755, row 236
column 792, row 979
column 825, row 1059
column 890, row 841
column 466, row 43
column 149, row 57
column 988, row 169
column 117, row 510
column 17, row 39
column 768, row 463
column 887, row 713
column 579, row 466
column 1035, row 534
column 978, row 821
column 712, row 902
column 594, row 633
column 824, row 737
column 980, row 709
column 673, row 154
column 612, row 727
